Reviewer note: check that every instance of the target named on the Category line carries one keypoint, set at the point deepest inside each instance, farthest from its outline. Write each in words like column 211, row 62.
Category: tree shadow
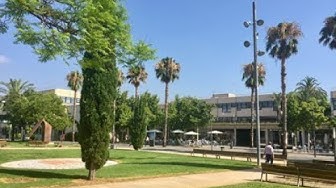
column 40, row 174
column 199, row 165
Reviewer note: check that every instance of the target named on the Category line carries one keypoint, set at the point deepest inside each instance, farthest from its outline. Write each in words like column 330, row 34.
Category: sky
column 206, row 38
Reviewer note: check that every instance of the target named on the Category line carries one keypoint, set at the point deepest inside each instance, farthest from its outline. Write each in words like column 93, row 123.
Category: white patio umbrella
column 177, row 131
column 154, row 131
column 191, row 133
column 215, row 132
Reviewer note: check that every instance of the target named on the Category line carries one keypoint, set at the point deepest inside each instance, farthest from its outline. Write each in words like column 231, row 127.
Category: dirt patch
column 56, row 163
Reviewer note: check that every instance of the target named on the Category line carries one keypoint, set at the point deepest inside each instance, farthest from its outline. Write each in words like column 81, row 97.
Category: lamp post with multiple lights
column 256, row 53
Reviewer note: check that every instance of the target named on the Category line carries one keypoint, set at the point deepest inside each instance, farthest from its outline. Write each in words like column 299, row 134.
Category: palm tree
column 248, row 76
column 167, row 70
column 328, row 32
column 136, row 74
column 75, row 82
column 282, row 42
column 308, row 88
column 15, row 87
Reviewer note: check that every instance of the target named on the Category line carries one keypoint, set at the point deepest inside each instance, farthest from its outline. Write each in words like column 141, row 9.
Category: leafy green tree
column 123, row 113
column 134, row 59
column 138, row 122
column 328, row 32
column 152, row 110
column 139, row 53
column 28, row 109
column 13, row 91
column 16, row 111
column 248, row 76
column 309, row 88
column 167, row 70
column 71, row 29
column 282, row 43
column 293, row 111
column 311, row 116
column 120, row 80
column 75, row 82
column 49, row 107
column 191, row 113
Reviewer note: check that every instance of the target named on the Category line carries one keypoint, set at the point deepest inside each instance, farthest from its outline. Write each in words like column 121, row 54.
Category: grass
column 23, row 144
column 257, row 185
column 132, row 165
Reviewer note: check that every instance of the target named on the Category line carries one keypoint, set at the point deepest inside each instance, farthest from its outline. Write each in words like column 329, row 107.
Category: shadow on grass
column 40, row 174
column 199, row 165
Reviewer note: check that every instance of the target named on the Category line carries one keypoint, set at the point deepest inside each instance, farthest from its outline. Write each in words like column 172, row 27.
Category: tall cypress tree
column 99, row 89
column 138, row 122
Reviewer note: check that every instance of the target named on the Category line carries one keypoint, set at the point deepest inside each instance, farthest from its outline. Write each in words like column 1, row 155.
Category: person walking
column 269, row 153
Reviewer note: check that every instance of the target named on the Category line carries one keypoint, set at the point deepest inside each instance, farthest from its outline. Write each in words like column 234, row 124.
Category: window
column 226, row 107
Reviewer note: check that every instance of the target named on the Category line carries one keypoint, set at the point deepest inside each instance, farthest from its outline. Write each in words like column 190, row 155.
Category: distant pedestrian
column 269, row 153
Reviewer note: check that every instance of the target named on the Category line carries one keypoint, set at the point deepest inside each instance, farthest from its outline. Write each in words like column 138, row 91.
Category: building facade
column 232, row 115
column 68, row 97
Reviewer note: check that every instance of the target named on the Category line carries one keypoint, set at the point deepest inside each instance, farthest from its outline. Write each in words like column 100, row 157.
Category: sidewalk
column 205, row 180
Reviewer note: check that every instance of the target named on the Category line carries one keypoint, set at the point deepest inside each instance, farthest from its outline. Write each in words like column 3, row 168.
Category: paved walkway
column 195, row 180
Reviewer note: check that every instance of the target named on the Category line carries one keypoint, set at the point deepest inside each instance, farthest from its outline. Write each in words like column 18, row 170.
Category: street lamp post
column 256, row 53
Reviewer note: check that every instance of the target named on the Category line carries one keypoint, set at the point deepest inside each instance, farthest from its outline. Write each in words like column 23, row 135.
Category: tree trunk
column 284, row 106
column 12, row 133
column 74, row 116
column 92, row 173
column 252, row 117
column 113, row 126
column 166, row 117
column 314, row 144
column 136, row 92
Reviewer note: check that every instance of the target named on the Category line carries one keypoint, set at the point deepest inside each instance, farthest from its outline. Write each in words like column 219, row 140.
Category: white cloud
column 4, row 59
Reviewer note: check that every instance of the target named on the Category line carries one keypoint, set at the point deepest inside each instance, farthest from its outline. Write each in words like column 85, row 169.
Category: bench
column 205, row 152
column 36, row 143
column 3, row 143
column 326, row 173
column 277, row 156
column 316, row 161
column 231, row 154
column 279, row 170
column 301, row 170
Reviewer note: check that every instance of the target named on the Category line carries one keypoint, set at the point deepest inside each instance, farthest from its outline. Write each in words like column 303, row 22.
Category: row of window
column 69, row 100
column 226, row 107
column 244, row 119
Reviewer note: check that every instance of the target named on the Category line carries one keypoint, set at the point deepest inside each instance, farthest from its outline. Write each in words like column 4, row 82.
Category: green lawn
column 132, row 164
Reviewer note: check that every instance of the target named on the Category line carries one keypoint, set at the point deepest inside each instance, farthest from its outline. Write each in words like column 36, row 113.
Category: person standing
column 269, row 153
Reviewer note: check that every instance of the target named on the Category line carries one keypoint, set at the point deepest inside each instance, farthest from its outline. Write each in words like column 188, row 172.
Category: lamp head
column 260, row 22
column 247, row 44
column 261, row 53
column 247, row 24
